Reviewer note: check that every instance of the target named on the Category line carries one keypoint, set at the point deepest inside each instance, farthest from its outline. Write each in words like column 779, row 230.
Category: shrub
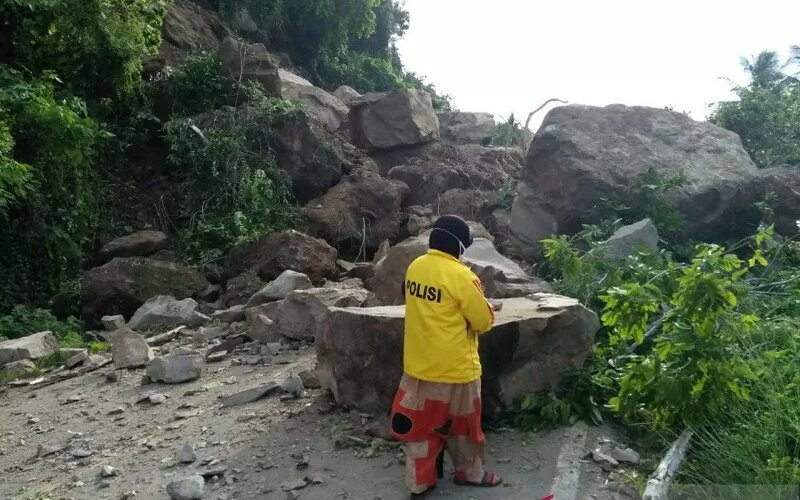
column 511, row 133
column 23, row 321
column 52, row 210
column 197, row 85
column 234, row 190
column 95, row 46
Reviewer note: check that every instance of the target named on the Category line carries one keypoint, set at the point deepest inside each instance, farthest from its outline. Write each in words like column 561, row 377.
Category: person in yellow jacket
column 438, row 403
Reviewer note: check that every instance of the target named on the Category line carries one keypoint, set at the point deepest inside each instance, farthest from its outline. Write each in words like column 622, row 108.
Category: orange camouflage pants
column 430, row 417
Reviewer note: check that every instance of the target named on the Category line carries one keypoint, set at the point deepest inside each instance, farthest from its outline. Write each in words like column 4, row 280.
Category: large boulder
column 533, row 343
column 244, row 61
column 271, row 255
column 325, row 107
column 466, row 128
column 189, row 28
column 124, row 284
column 129, row 349
column 508, row 279
column 471, row 167
column 138, row 244
column 300, row 315
column 363, row 206
column 627, row 240
column 308, row 156
column 238, row 290
column 163, row 312
column 288, row 282
column 582, row 154
column 175, row 368
column 782, row 184
column 346, row 94
column 403, row 117
column 36, row 346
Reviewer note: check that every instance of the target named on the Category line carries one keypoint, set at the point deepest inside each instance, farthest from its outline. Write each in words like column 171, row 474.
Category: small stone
column 293, row 385
column 114, row 376
column 504, row 460
column 187, row 455
column 157, row 399
column 230, row 380
column 73, row 399
column 606, row 462
column 113, row 323
column 19, row 368
column 108, row 471
column 297, row 484
column 81, row 453
column 217, row 356
column 191, row 488
column 625, row 455
column 77, row 359
column 117, row 411
column 45, row 450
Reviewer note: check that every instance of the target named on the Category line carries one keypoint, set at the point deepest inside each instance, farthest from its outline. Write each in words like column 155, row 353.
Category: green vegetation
column 512, row 133
column 767, row 114
column 234, row 190
column 22, row 321
column 339, row 42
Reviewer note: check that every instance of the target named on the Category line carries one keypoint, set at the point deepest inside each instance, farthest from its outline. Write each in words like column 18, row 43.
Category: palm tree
column 794, row 57
column 764, row 69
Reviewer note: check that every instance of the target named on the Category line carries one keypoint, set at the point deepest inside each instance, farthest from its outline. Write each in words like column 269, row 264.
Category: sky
column 509, row 56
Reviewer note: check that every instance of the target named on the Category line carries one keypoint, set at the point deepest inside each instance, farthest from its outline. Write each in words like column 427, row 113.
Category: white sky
column 504, row 56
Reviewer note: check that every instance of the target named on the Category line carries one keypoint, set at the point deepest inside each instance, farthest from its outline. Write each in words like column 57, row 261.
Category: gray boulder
column 189, row 28
column 190, row 488
column 262, row 329
column 129, row 349
column 466, row 128
column 271, row 255
column 627, row 240
column 36, row 346
column 19, row 368
column 244, row 61
column 239, row 289
column 583, row 153
column 309, row 156
column 287, row 282
column 138, row 244
column 533, row 343
column 298, row 317
column 346, row 94
column 402, row 117
column 363, row 206
column 175, row 368
column 113, row 323
column 124, row 284
column 164, row 312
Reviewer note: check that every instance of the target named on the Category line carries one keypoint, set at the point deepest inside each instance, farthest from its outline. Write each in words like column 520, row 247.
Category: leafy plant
column 197, row 85
column 646, row 198
column 54, row 205
column 234, row 190
column 95, row 46
column 511, row 133
column 23, row 321
column 689, row 371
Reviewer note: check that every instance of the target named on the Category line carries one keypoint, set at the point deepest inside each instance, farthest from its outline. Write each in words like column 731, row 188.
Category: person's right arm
column 474, row 306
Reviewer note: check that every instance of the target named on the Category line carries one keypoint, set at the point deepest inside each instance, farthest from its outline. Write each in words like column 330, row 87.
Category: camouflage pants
column 430, row 417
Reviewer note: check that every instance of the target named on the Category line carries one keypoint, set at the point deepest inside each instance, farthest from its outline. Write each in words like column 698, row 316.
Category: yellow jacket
column 445, row 312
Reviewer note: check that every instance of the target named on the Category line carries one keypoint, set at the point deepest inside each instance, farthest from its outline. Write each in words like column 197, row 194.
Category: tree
column 764, row 69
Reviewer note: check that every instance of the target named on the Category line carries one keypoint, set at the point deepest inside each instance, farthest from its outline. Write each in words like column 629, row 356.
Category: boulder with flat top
column 535, row 340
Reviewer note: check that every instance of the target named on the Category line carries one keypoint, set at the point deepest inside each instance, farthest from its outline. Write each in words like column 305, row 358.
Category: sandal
column 490, row 480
